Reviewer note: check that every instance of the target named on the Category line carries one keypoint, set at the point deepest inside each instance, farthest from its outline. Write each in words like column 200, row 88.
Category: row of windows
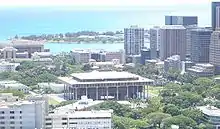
column 10, row 127
column 11, row 122
column 11, row 117
column 11, row 112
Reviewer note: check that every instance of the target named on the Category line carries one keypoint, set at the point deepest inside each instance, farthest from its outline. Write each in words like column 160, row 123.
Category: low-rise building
column 8, row 52
column 202, row 70
column 105, row 85
column 41, row 55
column 173, row 62
column 8, row 67
column 14, row 85
column 79, row 119
column 81, row 56
column 211, row 115
column 24, row 114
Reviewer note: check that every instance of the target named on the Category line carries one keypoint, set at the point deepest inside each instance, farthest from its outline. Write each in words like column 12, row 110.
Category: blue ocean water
column 39, row 20
column 50, row 20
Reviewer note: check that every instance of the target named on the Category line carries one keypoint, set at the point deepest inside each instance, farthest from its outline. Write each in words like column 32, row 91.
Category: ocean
column 50, row 20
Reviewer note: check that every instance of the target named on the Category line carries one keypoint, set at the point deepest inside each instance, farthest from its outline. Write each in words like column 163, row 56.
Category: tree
column 201, row 85
column 86, row 67
column 156, row 118
column 194, row 114
column 182, row 121
column 171, row 109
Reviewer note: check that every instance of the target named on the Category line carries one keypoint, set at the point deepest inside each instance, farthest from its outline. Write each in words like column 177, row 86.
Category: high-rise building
column 200, row 41
column 181, row 20
column 215, row 6
column 173, row 41
column 214, row 56
column 188, row 39
column 133, row 40
column 154, row 41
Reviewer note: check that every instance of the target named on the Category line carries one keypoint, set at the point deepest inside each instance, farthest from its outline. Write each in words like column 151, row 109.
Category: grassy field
column 53, row 101
column 154, row 89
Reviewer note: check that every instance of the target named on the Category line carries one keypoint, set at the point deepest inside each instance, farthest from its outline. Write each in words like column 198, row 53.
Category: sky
column 95, row 3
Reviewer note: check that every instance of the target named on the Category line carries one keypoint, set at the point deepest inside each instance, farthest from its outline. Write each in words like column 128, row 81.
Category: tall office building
column 200, row 41
column 214, row 56
column 215, row 14
column 188, row 39
column 181, row 20
column 133, row 40
column 154, row 41
column 173, row 41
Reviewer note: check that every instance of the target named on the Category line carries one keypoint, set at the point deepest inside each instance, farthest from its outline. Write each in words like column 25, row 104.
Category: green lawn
column 154, row 89
column 53, row 102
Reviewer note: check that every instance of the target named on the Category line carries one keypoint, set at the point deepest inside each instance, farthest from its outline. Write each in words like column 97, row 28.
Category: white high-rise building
column 214, row 50
column 71, row 119
column 154, row 41
column 16, row 114
column 133, row 40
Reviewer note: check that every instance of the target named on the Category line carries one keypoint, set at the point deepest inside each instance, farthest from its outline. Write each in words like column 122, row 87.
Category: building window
column 12, row 112
column 20, row 122
column 2, row 112
column 64, row 123
column 12, row 122
column 48, row 123
column 48, row 119
column 64, row 118
column 2, row 117
column 2, row 122
column 12, row 127
column 20, row 112
column 12, row 117
column 2, row 127
column 20, row 117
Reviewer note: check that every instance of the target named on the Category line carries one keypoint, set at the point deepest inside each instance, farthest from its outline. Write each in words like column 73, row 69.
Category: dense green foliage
column 30, row 73
column 14, row 92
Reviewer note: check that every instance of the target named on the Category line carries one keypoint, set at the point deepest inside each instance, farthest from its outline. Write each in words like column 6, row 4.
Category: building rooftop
column 111, row 75
column 205, row 65
column 11, row 104
column 12, row 83
column 210, row 110
column 104, row 75
column 173, row 27
column 82, row 114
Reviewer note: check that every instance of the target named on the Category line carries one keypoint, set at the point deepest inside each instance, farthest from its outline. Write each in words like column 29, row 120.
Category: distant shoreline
column 92, row 42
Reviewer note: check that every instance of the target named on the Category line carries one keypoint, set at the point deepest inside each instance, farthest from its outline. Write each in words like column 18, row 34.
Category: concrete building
column 22, row 55
column 14, row 85
column 135, row 59
column 133, row 40
column 8, row 67
column 188, row 39
column 202, row 70
column 145, row 55
column 81, row 56
column 28, row 46
column 71, row 119
column 215, row 14
column 8, row 53
column 173, row 62
column 214, row 51
column 211, row 115
column 111, row 55
column 200, row 42
column 173, row 41
column 181, row 20
column 19, row 114
column 154, row 41
column 104, row 85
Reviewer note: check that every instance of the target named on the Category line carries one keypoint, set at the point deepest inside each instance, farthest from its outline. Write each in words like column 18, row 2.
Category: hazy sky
column 90, row 3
